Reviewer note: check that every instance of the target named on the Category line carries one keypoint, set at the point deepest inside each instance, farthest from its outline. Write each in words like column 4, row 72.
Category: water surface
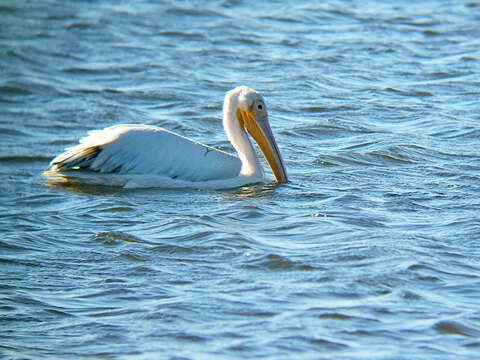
column 370, row 252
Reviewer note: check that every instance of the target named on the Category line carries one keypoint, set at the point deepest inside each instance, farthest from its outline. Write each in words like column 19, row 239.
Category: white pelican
column 148, row 156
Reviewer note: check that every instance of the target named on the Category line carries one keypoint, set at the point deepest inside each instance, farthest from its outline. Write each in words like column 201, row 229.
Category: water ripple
column 371, row 245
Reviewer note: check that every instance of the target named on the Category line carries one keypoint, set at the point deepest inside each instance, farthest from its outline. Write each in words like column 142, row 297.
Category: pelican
column 132, row 156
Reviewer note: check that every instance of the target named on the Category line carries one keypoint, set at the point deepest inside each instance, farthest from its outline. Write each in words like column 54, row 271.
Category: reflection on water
column 252, row 191
column 369, row 251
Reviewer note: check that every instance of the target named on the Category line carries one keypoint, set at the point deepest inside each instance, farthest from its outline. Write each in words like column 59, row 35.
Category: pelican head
column 251, row 114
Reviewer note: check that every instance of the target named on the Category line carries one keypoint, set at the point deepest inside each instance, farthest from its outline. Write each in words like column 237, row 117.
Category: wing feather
column 150, row 150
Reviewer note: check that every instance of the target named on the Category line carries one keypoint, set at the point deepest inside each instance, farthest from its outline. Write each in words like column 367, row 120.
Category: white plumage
column 148, row 156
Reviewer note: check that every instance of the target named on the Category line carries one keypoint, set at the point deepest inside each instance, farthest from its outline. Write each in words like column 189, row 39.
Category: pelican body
column 131, row 155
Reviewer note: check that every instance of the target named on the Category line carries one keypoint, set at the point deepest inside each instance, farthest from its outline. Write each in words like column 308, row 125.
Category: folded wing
column 143, row 149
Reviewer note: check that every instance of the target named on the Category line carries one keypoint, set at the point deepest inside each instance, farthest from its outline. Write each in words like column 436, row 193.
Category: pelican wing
column 142, row 149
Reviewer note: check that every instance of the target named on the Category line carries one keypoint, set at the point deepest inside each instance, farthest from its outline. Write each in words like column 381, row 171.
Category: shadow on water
column 63, row 183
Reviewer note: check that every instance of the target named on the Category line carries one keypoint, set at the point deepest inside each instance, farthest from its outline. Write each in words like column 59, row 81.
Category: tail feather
column 78, row 157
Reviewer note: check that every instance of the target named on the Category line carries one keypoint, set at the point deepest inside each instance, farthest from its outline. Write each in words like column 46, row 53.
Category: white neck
column 238, row 137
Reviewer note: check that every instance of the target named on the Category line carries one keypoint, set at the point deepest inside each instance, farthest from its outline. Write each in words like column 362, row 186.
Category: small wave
column 17, row 55
column 132, row 257
column 328, row 345
column 335, row 316
column 334, row 160
column 331, row 131
column 84, row 70
column 391, row 158
column 475, row 344
column 183, row 34
column 277, row 262
column 183, row 336
column 12, row 132
column 321, row 109
column 10, row 246
column 116, row 237
column 196, row 11
column 173, row 249
column 318, row 343
column 466, row 133
column 106, row 293
column 455, row 328
column 60, row 313
column 14, row 90
column 60, row 16
column 283, row 19
column 24, row 159
column 430, row 32
column 6, row 10
column 117, row 209
column 80, row 26
column 16, row 262
column 410, row 92
column 402, row 154
column 247, row 40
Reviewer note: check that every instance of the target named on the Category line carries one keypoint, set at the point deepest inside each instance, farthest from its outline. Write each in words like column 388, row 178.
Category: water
column 370, row 252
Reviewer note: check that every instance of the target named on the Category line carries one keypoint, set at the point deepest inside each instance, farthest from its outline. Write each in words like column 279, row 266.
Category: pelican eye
column 260, row 107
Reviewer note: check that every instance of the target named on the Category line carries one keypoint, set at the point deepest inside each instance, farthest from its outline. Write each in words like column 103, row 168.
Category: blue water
column 369, row 252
